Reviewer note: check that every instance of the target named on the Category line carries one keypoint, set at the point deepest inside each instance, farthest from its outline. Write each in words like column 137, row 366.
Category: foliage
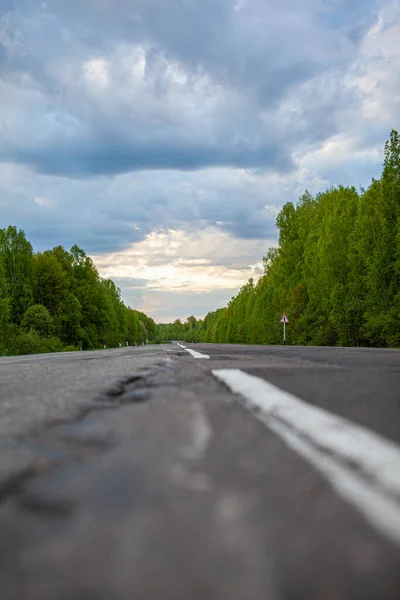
column 38, row 318
column 335, row 273
column 55, row 301
column 16, row 257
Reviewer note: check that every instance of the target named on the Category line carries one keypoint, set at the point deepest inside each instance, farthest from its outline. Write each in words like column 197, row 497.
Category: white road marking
column 194, row 353
column 363, row 467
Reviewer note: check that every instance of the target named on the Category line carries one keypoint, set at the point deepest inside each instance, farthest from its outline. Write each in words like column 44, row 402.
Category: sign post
column 284, row 320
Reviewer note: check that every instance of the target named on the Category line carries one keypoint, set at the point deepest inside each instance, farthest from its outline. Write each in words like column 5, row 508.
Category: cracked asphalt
column 135, row 474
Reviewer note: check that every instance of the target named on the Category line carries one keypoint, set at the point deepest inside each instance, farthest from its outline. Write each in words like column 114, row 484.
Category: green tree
column 4, row 306
column 38, row 318
column 69, row 320
column 16, row 256
column 51, row 281
column 60, row 301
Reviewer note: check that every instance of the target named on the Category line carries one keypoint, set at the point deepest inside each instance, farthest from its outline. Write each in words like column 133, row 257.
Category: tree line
column 335, row 273
column 55, row 301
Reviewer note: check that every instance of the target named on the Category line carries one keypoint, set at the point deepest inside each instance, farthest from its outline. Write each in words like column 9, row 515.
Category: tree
column 56, row 298
column 51, row 282
column 38, row 318
column 16, row 255
column 69, row 320
column 4, row 305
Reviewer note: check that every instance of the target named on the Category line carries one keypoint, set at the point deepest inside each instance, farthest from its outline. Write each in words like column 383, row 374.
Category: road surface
column 202, row 472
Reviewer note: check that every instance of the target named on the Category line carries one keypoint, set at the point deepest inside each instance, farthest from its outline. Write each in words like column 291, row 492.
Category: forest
column 335, row 273
column 55, row 301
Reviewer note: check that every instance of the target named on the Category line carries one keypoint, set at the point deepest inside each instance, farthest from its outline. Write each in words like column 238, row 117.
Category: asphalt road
column 201, row 472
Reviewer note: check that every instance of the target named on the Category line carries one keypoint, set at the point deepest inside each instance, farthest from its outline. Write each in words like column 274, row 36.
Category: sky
column 164, row 136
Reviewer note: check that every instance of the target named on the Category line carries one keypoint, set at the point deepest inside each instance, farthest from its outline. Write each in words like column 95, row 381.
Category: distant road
column 201, row 471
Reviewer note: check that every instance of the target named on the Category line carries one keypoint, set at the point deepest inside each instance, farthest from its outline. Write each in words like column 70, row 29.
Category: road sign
column 284, row 320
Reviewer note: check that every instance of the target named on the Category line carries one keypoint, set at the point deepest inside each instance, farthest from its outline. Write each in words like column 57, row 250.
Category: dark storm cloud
column 238, row 59
column 241, row 40
column 105, row 156
column 45, row 234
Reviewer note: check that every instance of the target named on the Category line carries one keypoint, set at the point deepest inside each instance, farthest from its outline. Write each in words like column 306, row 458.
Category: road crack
column 68, row 442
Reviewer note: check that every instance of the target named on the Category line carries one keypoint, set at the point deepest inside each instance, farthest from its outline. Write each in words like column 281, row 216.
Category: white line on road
column 194, row 353
column 363, row 467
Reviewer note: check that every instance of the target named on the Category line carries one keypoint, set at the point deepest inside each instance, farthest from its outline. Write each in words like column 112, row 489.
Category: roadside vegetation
column 55, row 301
column 335, row 273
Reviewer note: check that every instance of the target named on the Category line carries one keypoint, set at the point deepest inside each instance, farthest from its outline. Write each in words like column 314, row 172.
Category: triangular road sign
column 284, row 319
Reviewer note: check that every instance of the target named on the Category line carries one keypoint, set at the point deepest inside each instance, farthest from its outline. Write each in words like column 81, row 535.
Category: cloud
column 47, row 203
column 177, row 260
column 185, row 86
column 176, row 273
column 150, row 126
column 166, row 306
